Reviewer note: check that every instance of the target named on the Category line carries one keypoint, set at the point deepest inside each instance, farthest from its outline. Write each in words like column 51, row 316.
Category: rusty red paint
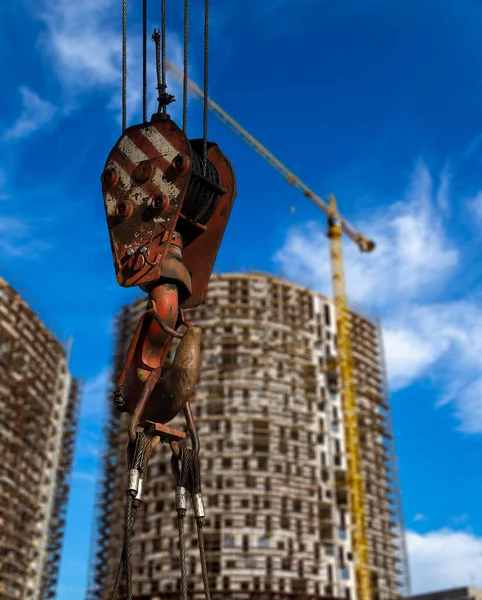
column 200, row 255
column 143, row 171
column 124, row 209
column 141, row 181
column 168, row 248
column 148, row 393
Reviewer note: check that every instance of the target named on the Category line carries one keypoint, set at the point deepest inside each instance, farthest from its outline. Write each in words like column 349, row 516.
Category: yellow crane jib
column 364, row 244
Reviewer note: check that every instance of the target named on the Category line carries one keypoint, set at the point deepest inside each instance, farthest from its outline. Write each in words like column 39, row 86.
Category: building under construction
column 38, row 415
column 270, row 422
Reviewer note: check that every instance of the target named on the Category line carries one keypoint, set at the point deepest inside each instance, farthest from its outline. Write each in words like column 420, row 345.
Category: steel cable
column 196, row 474
column 120, row 568
column 182, row 557
column 142, row 455
column 144, row 61
column 156, row 36
column 124, row 65
column 202, row 555
column 196, row 489
column 163, row 48
column 186, row 57
column 186, row 468
column 118, row 576
column 206, row 81
column 128, row 553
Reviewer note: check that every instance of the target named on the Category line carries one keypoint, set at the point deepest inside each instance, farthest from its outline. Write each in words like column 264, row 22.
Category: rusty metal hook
column 153, row 312
column 164, row 395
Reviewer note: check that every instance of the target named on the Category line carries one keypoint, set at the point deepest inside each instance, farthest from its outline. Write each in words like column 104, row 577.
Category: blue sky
column 377, row 101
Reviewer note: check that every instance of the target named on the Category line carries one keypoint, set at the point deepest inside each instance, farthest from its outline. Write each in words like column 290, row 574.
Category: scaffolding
column 48, row 589
column 273, row 460
column 106, row 484
column 38, row 418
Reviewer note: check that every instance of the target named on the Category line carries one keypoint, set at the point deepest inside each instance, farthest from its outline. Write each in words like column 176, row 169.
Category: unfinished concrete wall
column 38, row 403
column 270, row 423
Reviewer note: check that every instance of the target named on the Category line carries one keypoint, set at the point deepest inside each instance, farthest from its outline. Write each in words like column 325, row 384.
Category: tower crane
column 337, row 226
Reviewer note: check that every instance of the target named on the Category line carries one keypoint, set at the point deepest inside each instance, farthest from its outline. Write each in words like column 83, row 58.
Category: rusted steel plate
column 164, row 432
column 144, row 181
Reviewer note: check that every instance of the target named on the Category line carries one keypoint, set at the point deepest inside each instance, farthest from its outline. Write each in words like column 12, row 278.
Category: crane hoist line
column 167, row 201
column 337, row 226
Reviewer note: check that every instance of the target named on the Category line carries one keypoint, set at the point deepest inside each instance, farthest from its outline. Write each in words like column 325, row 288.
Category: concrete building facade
column 269, row 413
column 38, row 416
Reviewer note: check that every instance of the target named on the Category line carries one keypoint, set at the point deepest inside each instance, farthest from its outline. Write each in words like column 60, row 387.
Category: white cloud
column 83, row 43
column 417, row 336
column 443, row 192
column 468, row 401
column 444, row 559
column 475, row 205
column 16, row 239
column 403, row 281
column 413, row 256
column 94, row 399
column 84, row 476
column 34, row 115
column 90, row 442
column 460, row 519
column 419, row 517
column 407, row 355
column 443, row 340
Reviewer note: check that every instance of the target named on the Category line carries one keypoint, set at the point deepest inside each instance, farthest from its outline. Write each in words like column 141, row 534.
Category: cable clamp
column 133, row 477
column 198, row 506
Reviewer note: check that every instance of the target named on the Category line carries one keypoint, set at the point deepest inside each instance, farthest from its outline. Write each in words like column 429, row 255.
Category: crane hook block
column 158, row 188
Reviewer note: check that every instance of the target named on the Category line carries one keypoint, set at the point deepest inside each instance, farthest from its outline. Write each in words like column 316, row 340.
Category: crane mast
column 337, row 226
column 355, row 482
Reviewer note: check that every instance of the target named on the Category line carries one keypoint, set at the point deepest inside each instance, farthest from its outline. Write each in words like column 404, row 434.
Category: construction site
column 248, row 449
column 38, row 394
column 288, row 392
column 270, row 417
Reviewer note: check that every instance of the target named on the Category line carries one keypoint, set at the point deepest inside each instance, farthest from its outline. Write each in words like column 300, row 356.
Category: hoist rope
column 144, row 61
column 124, row 65
column 182, row 557
column 202, row 555
column 206, row 81
column 183, row 482
column 163, row 48
column 128, row 538
column 186, row 56
column 196, row 489
column 120, row 568
column 141, row 459
column 156, row 37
